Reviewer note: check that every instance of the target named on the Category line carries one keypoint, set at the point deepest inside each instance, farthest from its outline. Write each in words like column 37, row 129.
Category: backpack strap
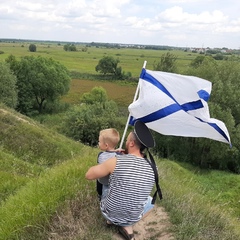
column 99, row 156
column 154, row 167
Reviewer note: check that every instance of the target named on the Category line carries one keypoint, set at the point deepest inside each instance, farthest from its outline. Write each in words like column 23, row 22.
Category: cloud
column 145, row 21
column 177, row 15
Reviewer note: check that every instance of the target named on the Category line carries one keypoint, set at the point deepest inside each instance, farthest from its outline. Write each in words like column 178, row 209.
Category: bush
column 84, row 122
column 32, row 48
column 70, row 47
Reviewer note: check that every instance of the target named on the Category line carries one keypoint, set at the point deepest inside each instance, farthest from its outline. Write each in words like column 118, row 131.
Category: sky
column 178, row 23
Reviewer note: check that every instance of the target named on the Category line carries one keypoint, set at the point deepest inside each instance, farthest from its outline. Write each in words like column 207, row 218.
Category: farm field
column 120, row 93
column 131, row 60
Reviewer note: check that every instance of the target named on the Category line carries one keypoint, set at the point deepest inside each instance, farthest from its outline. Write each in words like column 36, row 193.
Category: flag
column 174, row 104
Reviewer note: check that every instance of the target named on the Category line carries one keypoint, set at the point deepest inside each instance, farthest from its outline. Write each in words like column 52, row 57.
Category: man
column 130, row 185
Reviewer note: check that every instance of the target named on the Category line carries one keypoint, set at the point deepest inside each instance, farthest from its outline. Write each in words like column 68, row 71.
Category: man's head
column 133, row 143
column 140, row 138
column 108, row 139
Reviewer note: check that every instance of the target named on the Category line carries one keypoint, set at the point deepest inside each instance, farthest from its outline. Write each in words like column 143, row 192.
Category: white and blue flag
column 174, row 104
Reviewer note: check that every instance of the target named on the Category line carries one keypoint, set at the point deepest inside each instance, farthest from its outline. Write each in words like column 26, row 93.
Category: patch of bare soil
column 154, row 226
column 17, row 117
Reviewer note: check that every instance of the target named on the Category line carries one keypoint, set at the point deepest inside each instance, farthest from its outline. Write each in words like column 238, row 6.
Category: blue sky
column 181, row 23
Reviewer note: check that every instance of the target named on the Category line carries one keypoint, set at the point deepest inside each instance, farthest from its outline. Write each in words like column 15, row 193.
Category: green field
column 131, row 60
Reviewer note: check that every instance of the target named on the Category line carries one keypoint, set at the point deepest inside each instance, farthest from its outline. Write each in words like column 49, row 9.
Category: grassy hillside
column 44, row 194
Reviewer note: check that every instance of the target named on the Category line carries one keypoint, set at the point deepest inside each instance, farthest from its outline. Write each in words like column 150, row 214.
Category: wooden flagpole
column 134, row 99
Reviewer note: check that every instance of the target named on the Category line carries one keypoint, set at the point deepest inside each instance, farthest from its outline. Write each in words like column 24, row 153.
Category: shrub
column 32, row 48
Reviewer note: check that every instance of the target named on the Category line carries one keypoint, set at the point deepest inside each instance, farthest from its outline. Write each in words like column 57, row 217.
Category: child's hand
column 120, row 150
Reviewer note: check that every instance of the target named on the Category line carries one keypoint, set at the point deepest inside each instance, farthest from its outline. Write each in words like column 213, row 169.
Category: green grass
column 15, row 173
column 194, row 214
column 131, row 60
column 56, row 201
column 32, row 142
column 222, row 188
column 33, row 205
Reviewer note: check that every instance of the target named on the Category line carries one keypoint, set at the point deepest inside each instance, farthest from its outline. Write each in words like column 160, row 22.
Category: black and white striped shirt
column 130, row 185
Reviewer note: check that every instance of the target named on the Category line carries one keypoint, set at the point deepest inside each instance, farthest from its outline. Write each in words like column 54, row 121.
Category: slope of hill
column 30, row 185
column 44, row 194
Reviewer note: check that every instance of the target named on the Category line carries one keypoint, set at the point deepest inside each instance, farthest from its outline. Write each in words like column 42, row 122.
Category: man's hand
column 101, row 170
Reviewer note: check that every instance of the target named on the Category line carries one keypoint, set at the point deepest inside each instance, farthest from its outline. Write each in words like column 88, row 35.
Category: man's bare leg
column 129, row 229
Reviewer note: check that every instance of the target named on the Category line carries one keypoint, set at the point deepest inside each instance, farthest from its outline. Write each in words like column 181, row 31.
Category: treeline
column 142, row 46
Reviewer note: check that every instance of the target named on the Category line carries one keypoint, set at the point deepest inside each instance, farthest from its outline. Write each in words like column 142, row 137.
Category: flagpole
column 134, row 99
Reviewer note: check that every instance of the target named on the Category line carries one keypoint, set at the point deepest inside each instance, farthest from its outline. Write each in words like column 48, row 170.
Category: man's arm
column 101, row 170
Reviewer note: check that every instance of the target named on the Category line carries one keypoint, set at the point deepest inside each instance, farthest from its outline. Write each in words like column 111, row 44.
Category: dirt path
column 154, row 226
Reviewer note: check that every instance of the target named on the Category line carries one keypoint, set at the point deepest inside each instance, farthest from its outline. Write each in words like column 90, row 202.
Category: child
column 107, row 142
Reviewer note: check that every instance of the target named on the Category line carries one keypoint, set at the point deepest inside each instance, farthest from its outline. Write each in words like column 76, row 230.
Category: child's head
column 108, row 139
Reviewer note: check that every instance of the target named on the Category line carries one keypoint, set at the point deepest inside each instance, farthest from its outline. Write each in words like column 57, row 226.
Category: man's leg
column 129, row 229
column 127, row 232
column 148, row 207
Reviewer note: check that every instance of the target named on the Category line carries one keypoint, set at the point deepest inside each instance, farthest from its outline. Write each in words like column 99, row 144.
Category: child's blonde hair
column 110, row 136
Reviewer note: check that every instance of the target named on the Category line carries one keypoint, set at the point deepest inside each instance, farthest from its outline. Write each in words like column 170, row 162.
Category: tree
column 40, row 81
column 97, row 94
column 8, row 88
column 70, row 47
column 167, row 63
column 108, row 65
column 219, row 56
column 197, row 61
column 32, row 48
column 84, row 122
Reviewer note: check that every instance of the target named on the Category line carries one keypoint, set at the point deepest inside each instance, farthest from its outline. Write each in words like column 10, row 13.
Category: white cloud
column 173, row 22
column 177, row 15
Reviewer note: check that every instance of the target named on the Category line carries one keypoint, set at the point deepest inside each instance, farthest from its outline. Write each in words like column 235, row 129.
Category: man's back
column 130, row 185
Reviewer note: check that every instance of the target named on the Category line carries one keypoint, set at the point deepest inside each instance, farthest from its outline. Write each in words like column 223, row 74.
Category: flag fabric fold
column 174, row 104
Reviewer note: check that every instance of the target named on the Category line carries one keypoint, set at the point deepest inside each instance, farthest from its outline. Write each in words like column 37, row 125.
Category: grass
column 40, row 198
column 31, row 142
column 131, row 60
column 57, row 202
column 44, row 194
column 116, row 91
column 193, row 213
